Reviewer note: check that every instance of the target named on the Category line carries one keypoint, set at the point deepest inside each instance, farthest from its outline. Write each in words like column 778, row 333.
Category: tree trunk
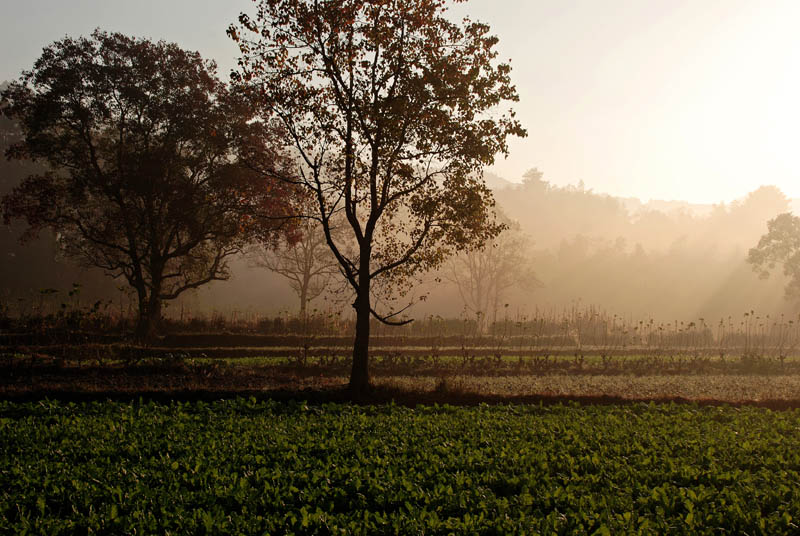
column 359, row 375
column 149, row 318
column 303, row 299
column 480, row 307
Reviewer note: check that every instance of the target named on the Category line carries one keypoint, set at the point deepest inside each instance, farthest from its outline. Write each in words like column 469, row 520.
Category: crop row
column 36, row 360
column 244, row 466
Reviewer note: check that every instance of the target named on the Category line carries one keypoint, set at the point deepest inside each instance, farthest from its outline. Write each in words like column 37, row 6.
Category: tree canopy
column 304, row 259
column 483, row 276
column 780, row 245
column 140, row 143
column 392, row 111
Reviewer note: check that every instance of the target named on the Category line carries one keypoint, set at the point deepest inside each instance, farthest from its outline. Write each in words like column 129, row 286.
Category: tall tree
column 393, row 111
column 780, row 245
column 139, row 140
column 305, row 260
column 484, row 276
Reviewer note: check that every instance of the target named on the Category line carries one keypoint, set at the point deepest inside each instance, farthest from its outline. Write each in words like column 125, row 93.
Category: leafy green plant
column 244, row 466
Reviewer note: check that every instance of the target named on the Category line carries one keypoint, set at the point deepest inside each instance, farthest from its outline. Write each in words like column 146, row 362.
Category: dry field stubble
column 210, row 376
column 727, row 388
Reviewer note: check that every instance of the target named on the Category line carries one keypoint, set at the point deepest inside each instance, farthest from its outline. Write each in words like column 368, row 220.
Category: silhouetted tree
column 9, row 132
column 305, row 260
column 483, row 276
column 781, row 245
column 392, row 110
column 139, row 141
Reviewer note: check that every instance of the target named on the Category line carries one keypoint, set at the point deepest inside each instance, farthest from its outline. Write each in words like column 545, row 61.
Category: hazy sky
column 664, row 99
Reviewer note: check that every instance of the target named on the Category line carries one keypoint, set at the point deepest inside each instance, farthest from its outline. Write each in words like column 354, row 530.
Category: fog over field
column 662, row 259
column 572, row 246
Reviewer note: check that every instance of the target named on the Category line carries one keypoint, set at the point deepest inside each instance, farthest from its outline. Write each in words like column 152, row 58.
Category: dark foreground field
column 240, row 466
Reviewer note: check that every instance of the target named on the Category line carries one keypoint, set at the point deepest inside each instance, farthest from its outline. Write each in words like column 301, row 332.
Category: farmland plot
column 244, row 466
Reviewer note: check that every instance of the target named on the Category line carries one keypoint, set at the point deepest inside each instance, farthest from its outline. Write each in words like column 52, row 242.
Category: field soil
column 32, row 378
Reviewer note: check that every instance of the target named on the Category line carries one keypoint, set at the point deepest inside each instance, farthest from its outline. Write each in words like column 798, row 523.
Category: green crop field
column 243, row 466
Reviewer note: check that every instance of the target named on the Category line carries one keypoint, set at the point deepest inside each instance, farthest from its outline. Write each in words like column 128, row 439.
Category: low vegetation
column 243, row 466
column 578, row 354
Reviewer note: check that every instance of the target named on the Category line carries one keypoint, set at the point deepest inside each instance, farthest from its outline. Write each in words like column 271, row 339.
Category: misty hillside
column 636, row 206
column 664, row 259
column 496, row 182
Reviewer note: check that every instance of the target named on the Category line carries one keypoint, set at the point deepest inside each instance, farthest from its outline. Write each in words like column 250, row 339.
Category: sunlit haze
column 659, row 100
column 292, row 304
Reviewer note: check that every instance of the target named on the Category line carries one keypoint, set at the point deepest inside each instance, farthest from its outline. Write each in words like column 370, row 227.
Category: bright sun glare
column 693, row 101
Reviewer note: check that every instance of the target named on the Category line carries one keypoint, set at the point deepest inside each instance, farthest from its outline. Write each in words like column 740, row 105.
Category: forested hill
column 666, row 258
column 673, row 261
